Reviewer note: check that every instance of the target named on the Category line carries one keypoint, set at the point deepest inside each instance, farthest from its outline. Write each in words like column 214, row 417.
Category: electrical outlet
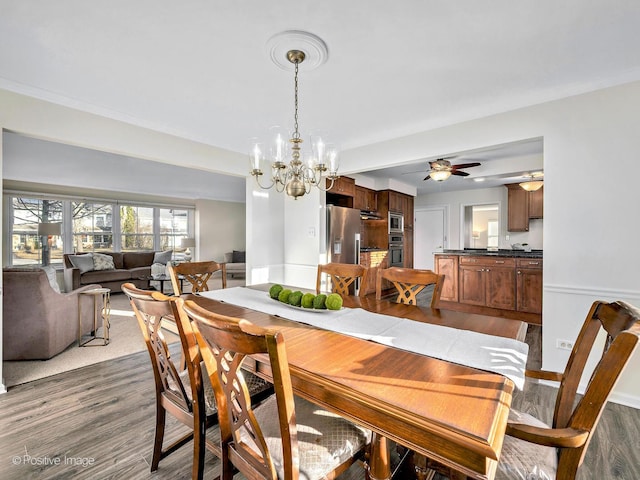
column 564, row 344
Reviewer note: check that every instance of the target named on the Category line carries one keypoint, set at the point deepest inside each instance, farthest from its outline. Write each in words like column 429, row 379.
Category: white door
column 429, row 228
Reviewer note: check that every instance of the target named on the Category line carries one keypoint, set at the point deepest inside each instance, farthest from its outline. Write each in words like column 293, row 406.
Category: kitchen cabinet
column 343, row 186
column 529, row 285
column 408, row 211
column 447, row 265
column 536, row 203
column 517, row 208
column 396, row 201
column 408, row 248
column 365, row 199
column 522, row 206
column 488, row 281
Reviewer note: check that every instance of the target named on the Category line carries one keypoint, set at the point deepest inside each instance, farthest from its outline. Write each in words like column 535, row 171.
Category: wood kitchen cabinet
column 487, row 281
column 536, row 203
column 365, row 199
column 517, row 208
column 529, row 285
column 343, row 186
column 396, row 201
column 522, row 206
column 447, row 265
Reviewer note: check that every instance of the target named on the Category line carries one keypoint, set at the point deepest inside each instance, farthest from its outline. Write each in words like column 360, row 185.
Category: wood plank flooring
column 104, row 414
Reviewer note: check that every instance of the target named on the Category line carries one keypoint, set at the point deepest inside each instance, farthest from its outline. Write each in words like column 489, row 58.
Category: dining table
column 449, row 412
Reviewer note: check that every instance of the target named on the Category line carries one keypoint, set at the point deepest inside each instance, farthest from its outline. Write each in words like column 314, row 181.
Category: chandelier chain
column 296, row 133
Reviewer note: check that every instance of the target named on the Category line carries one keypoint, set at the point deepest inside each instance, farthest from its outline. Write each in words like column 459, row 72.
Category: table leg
column 379, row 467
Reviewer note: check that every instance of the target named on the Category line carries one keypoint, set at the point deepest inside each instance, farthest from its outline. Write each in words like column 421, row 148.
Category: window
column 174, row 225
column 136, row 227
column 92, row 227
column 26, row 244
column 89, row 227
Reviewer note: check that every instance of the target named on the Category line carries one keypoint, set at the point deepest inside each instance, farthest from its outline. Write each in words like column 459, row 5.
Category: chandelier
column 305, row 168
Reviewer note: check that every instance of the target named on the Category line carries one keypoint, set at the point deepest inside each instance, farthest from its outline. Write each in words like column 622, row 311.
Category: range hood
column 368, row 215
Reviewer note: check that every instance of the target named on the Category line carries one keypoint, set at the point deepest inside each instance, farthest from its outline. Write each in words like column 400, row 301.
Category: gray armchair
column 38, row 321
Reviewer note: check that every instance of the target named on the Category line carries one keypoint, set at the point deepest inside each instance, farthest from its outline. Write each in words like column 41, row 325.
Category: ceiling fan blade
column 466, row 165
column 459, row 173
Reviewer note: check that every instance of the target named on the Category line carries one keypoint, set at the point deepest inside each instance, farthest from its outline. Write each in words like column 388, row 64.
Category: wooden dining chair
column 197, row 274
column 409, row 282
column 186, row 394
column 285, row 437
column 342, row 277
column 531, row 448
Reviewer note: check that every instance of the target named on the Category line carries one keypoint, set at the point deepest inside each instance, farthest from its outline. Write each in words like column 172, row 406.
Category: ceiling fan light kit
column 532, row 185
column 440, row 175
column 442, row 169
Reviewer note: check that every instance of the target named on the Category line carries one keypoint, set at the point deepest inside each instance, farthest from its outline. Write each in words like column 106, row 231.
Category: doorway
column 430, row 235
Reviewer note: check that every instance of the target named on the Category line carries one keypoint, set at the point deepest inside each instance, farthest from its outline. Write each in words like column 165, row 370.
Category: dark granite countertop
column 494, row 253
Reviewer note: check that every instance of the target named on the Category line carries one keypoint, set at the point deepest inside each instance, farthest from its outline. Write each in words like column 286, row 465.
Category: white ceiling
column 201, row 70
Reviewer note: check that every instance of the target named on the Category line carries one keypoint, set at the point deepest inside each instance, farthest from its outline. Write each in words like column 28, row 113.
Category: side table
column 105, row 313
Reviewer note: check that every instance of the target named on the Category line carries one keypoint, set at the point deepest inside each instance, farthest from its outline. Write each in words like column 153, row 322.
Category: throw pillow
column 238, row 257
column 163, row 257
column 103, row 262
column 83, row 262
column 52, row 276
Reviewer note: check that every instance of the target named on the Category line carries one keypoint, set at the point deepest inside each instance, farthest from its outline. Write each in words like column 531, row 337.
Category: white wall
column 589, row 219
column 456, row 201
column 220, row 228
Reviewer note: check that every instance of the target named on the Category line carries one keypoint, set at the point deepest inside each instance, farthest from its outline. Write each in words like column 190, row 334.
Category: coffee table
column 165, row 278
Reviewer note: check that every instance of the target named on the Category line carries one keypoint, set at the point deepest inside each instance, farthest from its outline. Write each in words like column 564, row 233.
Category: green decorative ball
column 275, row 290
column 307, row 300
column 318, row 302
column 334, row 301
column 283, row 296
column 295, row 298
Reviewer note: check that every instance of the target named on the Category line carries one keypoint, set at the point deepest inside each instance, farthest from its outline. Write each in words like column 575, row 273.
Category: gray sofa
column 134, row 267
column 38, row 321
column 235, row 263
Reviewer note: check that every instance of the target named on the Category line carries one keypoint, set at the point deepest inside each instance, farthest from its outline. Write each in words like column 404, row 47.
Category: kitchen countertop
column 498, row 253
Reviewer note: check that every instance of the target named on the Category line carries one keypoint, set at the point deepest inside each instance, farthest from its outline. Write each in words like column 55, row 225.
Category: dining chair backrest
column 197, row 274
column 574, row 421
column 409, row 282
column 263, row 442
column 342, row 277
column 181, row 393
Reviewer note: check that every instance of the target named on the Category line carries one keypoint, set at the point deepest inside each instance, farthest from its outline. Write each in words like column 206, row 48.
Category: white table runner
column 501, row 355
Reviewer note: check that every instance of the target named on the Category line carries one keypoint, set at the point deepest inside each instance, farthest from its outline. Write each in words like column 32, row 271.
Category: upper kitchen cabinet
column 343, row 186
column 396, row 201
column 365, row 199
column 536, row 203
column 522, row 206
column 342, row 192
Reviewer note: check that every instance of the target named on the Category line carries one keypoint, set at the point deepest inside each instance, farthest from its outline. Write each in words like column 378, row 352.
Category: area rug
column 125, row 338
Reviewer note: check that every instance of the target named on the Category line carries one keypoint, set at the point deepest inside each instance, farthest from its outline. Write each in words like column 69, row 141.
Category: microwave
column 396, row 223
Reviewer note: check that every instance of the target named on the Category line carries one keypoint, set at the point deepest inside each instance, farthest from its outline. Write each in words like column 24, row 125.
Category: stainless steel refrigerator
column 343, row 235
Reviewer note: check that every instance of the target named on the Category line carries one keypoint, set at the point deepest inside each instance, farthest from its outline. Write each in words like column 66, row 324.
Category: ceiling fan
column 441, row 169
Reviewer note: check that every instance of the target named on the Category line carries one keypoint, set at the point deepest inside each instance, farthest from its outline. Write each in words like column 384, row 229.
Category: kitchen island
column 502, row 283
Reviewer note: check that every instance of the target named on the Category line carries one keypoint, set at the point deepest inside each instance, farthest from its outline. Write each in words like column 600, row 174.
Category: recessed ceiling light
column 478, row 179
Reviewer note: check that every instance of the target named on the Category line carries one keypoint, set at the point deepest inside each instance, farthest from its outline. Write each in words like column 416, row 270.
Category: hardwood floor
column 104, row 414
